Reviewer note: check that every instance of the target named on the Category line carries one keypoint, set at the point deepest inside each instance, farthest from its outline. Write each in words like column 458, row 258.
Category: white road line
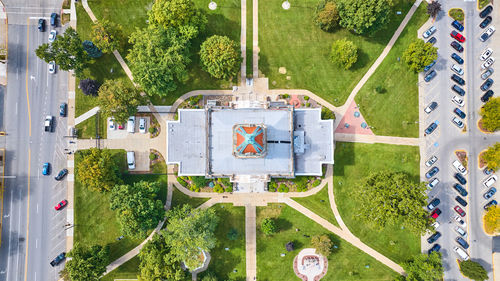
column 37, row 208
column 36, row 243
column 10, row 226
column 55, row 247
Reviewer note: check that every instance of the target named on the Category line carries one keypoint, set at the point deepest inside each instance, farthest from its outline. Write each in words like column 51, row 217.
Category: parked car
column 121, row 126
column 63, row 109
column 459, row 211
column 460, row 178
column 433, row 105
column 486, row 97
column 432, row 172
column 434, row 248
column 431, row 161
column 487, row 84
column 461, row 201
column 489, row 62
column 131, row 124
column 457, row 25
column 458, row 80
column 487, row 73
column 61, row 174
column 487, row 34
column 431, row 127
column 52, row 67
column 41, row 25
column 61, row 205
column 429, row 32
column 457, row 69
column 433, row 40
column 485, row 22
column 460, row 221
column 458, row 101
column 433, row 204
column 433, row 183
column 58, row 259
column 458, row 90
column 430, row 76
column 461, row 253
column 46, row 169
column 461, row 231
column 455, row 45
column 459, row 112
column 457, row 58
column 435, row 224
column 430, row 66
column 459, row 37
column 460, row 189
column 459, row 167
column 142, row 125
column 490, row 193
column 486, row 11
column 53, row 19
column 491, row 203
column 490, row 181
column 52, row 35
column 486, row 54
column 434, row 237
column 111, row 124
column 435, row 214
column 462, row 242
column 457, row 122
column 487, row 171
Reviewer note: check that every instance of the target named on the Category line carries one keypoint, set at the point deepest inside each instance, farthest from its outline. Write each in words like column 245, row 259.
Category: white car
column 488, row 63
column 435, row 224
column 131, row 124
column 486, row 54
column 433, row 183
column 457, row 69
column 457, row 122
column 431, row 161
column 490, row 181
column 111, row 124
column 429, row 32
column 460, row 221
column 142, row 126
column 461, row 231
column 487, row 34
column 52, row 35
column 460, row 167
column 52, row 67
column 458, row 101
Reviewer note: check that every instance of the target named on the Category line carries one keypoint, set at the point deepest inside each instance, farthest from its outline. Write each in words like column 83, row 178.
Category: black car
column 433, row 40
column 462, row 242
column 62, row 109
column 457, row 58
column 486, row 11
column 460, row 189
column 487, row 84
column 457, row 46
column 53, row 19
column 41, row 25
column 458, row 90
column 58, row 259
column 460, row 178
column 461, row 201
column 430, row 75
column 459, row 113
column 434, row 237
column 434, row 248
column 458, row 80
column 491, row 203
column 431, row 128
column 486, row 97
column 61, row 174
column 485, row 22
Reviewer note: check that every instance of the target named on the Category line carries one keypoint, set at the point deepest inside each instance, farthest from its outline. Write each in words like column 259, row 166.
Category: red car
column 459, row 211
column 61, row 205
column 435, row 214
column 121, row 127
column 460, row 38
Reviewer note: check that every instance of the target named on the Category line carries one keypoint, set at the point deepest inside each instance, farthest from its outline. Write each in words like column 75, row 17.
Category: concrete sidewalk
column 377, row 139
column 86, row 115
column 251, row 242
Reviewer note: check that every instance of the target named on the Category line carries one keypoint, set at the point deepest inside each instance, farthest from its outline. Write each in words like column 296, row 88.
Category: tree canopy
column 364, row 16
column 189, row 231
column 268, row 226
column 119, row 100
column 322, row 244
column 491, row 220
column 220, row 57
column 423, row 267
column 327, row 16
column 91, row 49
column 179, row 14
column 492, row 157
column 97, row 170
column 89, row 87
column 473, row 270
column 419, row 54
column 67, row 52
column 490, row 114
column 106, row 35
column 433, row 8
column 388, row 198
column 344, row 53
column 138, row 207
column 158, row 59
column 87, row 263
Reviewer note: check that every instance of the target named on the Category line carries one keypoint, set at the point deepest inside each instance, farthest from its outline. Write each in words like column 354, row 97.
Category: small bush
column 232, row 234
column 306, row 97
column 182, row 182
column 285, row 96
column 283, row 188
column 218, row 188
column 152, row 130
column 268, row 226
column 272, row 186
column 308, row 104
column 316, row 183
column 327, row 16
column 379, row 89
column 152, row 156
column 225, row 181
column 199, row 181
column 229, row 188
column 326, row 113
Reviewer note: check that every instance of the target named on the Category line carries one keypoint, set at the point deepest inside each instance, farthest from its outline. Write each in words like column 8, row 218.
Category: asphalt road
column 33, row 232
column 448, row 138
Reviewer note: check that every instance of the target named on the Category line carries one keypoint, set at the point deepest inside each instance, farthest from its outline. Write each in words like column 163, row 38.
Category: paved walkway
column 352, row 122
column 86, row 115
column 377, row 139
column 251, row 242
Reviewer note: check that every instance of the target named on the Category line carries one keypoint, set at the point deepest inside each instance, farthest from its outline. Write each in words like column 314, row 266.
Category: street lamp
column 286, row 5
column 212, row 5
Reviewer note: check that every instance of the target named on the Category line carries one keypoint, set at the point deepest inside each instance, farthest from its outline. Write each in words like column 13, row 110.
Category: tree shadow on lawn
column 348, row 158
column 282, row 224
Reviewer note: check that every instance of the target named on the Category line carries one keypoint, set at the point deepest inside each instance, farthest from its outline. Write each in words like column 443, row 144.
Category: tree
column 157, row 262
column 67, row 52
column 327, row 16
column 492, row 157
column 89, row 87
column 119, row 100
column 190, row 231
column 387, row 198
column 158, row 59
column 220, row 57
column 419, row 54
column 491, row 220
column 97, row 170
column 423, row 267
column 138, row 207
column 473, row 270
column 433, row 8
column 209, row 277
column 363, row 16
column 344, row 53
column 322, row 244
column 91, row 49
column 490, row 114
column 268, row 226
column 232, row 234
column 179, row 14
column 106, row 36
column 87, row 263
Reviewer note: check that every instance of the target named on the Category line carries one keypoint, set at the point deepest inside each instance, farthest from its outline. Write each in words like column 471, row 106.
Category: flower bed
column 200, row 183
column 298, row 184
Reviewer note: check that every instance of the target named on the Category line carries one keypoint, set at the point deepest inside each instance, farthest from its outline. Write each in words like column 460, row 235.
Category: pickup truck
column 49, row 120
column 58, row 259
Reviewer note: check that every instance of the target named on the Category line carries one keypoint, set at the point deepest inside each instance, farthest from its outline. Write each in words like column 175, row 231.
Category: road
column 33, row 232
column 448, row 138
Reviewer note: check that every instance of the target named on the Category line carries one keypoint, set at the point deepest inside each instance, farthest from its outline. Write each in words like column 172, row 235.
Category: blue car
column 432, row 172
column 460, row 189
column 458, row 90
column 429, row 66
column 458, row 26
column 459, row 113
column 431, row 127
column 434, row 248
column 46, row 169
column 490, row 193
column 457, row 58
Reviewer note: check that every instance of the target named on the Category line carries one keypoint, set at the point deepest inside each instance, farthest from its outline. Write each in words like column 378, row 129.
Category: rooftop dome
column 249, row 140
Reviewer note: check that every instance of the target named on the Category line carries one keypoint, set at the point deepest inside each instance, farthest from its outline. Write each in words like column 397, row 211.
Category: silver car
column 429, row 32
column 457, row 69
column 486, row 54
column 457, row 122
column 487, row 73
column 488, row 63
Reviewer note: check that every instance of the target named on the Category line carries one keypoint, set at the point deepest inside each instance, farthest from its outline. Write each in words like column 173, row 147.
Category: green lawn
column 225, row 263
column 87, row 130
column 394, row 111
column 353, row 162
column 319, row 203
column 179, row 199
column 95, row 222
column 128, row 270
column 290, row 39
column 345, row 263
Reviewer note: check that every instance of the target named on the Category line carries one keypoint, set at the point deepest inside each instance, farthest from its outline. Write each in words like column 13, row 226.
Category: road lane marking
column 36, row 243
column 28, row 218
column 37, row 208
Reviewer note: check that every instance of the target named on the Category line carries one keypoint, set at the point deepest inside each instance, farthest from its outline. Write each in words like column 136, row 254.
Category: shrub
column 492, row 157
column 306, row 97
column 491, row 220
column 89, row 87
column 199, row 182
column 327, row 16
column 283, row 188
column 218, row 188
column 229, row 188
column 326, row 113
column 322, row 244
column 285, row 96
column 272, row 186
column 316, row 183
column 232, row 234
column 152, row 156
column 91, row 49
column 151, row 130
column 220, row 57
column 182, row 182
column 308, row 104
column 490, row 114
column 225, row 181
column 473, row 270
column 268, row 226
column 344, row 53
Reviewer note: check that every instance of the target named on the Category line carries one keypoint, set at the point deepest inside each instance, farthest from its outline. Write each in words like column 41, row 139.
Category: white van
column 461, row 253
column 131, row 160
column 459, row 167
column 131, row 124
column 490, row 181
